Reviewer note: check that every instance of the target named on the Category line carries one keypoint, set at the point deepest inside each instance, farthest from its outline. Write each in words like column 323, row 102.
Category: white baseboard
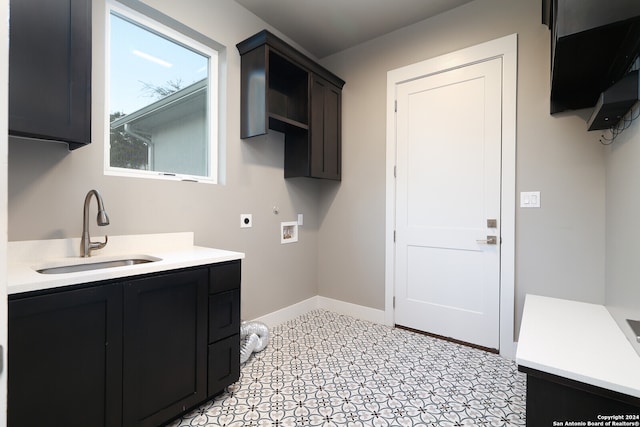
column 288, row 313
column 291, row 312
column 353, row 310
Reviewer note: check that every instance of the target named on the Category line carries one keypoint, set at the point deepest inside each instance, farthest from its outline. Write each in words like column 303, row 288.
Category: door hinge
column 394, row 236
column 394, row 302
column 395, row 105
column 395, row 171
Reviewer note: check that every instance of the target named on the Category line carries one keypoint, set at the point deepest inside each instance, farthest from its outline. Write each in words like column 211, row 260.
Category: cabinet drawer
column 224, row 276
column 224, row 315
column 224, row 364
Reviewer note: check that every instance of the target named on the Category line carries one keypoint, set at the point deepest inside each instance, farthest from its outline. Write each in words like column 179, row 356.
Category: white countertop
column 579, row 341
column 174, row 250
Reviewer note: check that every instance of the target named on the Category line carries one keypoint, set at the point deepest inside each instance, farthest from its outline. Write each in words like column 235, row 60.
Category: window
column 162, row 100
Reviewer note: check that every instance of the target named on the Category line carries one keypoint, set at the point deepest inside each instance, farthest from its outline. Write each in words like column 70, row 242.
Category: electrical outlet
column 246, row 221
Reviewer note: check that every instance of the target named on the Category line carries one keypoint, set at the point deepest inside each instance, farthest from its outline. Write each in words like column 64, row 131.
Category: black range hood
column 593, row 44
column 614, row 102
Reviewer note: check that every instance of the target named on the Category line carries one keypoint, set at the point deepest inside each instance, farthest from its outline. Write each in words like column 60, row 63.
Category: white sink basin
column 88, row 264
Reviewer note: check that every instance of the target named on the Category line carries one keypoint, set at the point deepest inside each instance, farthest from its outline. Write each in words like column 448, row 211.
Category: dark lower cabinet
column 136, row 352
column 224, row 326
column 554, row 400
column 165, row 346
column 65, row 358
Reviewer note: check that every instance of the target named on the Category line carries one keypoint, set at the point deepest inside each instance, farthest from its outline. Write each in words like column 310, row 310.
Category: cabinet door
column 65, row 357
column 50, row 70
column 165, row 346
column 325, row 129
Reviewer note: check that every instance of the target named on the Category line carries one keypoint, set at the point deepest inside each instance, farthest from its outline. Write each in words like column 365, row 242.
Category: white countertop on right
column 579, row 341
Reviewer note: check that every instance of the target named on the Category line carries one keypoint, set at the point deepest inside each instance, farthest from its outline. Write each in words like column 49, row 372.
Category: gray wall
column 47, row 184
column 623, row 227
column 559, row 247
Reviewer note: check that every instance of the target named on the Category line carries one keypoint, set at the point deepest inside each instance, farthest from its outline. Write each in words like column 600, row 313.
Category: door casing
column 505, row 48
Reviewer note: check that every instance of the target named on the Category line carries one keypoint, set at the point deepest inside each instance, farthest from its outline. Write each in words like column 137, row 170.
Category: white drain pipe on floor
column 254, row 337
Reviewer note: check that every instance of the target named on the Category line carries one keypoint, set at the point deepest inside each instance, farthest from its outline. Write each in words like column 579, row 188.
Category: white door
column 448, row 142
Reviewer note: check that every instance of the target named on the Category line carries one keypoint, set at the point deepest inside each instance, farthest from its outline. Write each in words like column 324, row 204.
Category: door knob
column 490, row 240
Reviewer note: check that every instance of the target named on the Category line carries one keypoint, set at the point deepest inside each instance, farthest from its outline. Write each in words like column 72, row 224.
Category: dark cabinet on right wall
column 593, row 45
column 283, row 90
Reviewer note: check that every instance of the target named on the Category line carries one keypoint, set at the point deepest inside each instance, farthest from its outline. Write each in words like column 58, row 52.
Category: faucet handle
column 99, row 245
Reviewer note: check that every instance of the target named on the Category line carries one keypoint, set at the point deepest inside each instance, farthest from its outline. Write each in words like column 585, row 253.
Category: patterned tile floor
column 326, row 369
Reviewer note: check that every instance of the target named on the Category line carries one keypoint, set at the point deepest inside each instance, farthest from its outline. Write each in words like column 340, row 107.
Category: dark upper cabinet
column 593, row 44
column 50, row 70
column 65, row 352
column 326, row 116
column 284, row 90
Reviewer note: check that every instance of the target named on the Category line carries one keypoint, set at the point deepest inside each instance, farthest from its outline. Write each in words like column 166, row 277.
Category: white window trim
column 212, row 98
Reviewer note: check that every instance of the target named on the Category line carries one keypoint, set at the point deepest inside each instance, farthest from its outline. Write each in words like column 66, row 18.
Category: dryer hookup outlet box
column 246, row 221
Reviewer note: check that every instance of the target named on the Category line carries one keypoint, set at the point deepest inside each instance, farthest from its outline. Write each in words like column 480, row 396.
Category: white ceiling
column 324, row 27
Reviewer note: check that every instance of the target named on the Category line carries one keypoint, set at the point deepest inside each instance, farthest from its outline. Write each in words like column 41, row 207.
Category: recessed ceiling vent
column 614, row 102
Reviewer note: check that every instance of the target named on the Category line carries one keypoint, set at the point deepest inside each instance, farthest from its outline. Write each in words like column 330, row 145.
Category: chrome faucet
column 87, row 245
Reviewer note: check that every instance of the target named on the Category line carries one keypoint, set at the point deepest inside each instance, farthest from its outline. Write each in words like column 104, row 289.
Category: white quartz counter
column 174, row 251
column 578, row 341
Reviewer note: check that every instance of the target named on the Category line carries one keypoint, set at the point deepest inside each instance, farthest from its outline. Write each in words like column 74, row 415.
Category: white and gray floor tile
column 326, row 369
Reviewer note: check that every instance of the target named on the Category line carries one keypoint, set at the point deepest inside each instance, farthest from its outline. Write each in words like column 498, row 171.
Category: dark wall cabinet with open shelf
column 284, row 90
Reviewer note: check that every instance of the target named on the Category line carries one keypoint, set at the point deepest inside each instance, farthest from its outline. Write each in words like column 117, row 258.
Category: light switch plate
column 530, row 199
